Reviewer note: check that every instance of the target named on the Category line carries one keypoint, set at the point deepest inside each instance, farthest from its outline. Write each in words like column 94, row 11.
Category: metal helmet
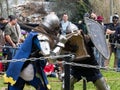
column 71, row 28
column 51, row 21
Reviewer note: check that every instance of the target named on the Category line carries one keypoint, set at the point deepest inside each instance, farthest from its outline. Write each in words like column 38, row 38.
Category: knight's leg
column 73, row 80
column 101, row 84
column 18, row 86
column 37, row 84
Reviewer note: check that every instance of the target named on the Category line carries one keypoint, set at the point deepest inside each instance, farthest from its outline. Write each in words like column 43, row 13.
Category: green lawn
column 112, row 78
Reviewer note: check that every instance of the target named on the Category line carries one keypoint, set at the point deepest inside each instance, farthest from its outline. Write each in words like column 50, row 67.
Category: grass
column 112, row 78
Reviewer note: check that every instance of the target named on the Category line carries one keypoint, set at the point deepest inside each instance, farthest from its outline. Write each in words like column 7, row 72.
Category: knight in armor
column 91, row 74
column 40, row 42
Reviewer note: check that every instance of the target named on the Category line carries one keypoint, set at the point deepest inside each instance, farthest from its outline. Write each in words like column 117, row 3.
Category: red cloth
column 1, row 67
column 49, row 68
column 100, row 18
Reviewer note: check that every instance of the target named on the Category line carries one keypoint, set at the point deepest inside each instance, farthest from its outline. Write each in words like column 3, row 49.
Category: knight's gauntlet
column 62, row 39
column 60, row 44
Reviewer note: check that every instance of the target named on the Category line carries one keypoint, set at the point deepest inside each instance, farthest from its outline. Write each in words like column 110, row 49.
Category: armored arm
column 42, row 42
column 41, row 46
column 60, row 45
column 37, row 51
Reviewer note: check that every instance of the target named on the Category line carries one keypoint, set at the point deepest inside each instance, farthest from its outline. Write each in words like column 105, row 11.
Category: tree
column 74, row 8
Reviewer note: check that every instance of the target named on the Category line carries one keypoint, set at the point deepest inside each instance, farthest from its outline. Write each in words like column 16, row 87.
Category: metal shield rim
column 107, row 56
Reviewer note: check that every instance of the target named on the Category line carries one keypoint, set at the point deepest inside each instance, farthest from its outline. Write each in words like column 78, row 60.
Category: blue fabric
column 36, row 83
column 19, row 85
column 117, row 35
column 118, row 57
column 43, row 76
column 117, row 40
column 14, row 68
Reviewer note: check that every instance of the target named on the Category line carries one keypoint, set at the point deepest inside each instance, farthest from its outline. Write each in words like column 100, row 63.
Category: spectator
column 59, row 69
column 117, row 41
column 2, row 42
column 111, row 32
column 23, row 35
column 93, row 16
column 3, row 22
column 12, row 35
column 64, row 23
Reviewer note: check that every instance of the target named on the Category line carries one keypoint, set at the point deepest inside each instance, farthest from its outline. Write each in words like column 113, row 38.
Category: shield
column 96, row 33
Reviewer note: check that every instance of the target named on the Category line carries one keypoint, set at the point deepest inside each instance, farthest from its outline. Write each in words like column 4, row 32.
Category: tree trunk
column 7, row 6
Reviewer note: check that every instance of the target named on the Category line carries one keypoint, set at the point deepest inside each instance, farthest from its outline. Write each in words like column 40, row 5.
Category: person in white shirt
column 64, row 23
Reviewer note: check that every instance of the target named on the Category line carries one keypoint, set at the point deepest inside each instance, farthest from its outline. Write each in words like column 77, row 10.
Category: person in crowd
column 91, row 74
column 12, row 35
column 40, row 42
column 59, row 69
column 3, row 22
column 64, row 23
column 111, row 32
column 2, row 40
column 93, row 16
column 23, row 35
column 117, row 41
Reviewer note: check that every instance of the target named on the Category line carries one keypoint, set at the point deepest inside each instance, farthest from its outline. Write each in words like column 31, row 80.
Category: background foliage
column 74, row 8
